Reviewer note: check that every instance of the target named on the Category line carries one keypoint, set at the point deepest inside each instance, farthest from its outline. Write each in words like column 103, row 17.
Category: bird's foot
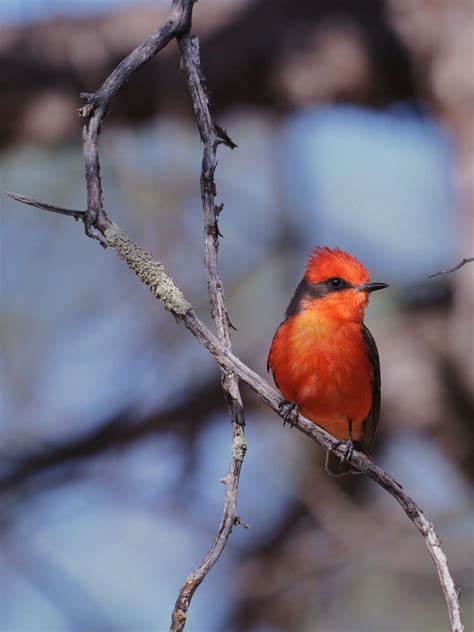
column 347, row 446
column 289, row 412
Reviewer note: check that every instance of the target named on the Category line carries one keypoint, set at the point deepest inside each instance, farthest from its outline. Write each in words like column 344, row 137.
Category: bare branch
column 96, row 220
column 453, row 269
column 229, row 520
column 178, row 21
column 212, row 135
column 46, row 207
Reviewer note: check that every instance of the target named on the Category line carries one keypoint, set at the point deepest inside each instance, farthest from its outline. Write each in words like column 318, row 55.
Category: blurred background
column 354, row 129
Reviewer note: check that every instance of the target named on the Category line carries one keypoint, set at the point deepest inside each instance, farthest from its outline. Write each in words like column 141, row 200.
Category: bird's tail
column 337, row 466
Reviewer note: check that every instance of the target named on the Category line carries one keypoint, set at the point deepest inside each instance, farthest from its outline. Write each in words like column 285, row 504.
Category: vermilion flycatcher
column 323, row 358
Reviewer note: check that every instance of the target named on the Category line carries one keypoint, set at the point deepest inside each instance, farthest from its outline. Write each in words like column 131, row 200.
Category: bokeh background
column 354, row 129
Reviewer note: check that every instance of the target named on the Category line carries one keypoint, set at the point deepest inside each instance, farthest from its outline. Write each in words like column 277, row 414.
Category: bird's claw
column 289, row 412
column 347, row 446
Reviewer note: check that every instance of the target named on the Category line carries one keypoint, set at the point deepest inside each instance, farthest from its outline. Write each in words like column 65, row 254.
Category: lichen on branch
column 150, row 272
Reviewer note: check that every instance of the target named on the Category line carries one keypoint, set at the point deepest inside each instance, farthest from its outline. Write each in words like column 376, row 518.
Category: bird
column 324, row 359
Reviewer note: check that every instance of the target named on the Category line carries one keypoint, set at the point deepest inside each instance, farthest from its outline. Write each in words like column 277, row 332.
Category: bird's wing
column 372, row 419
column 269, row 365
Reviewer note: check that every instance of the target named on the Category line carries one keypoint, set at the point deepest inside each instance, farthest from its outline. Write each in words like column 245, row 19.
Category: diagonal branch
column 268, row 395
column 152, row 274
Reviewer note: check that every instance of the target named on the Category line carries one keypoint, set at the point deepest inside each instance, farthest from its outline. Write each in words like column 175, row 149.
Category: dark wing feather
column 372, row 419
column 269, row 368
column 302, row 291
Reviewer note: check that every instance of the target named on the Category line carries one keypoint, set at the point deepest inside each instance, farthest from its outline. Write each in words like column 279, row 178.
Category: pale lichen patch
column 239, row 447
column 150, row 272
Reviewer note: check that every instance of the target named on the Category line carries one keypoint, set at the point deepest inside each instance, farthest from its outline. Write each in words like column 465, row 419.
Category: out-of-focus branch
column 454, row 268
column 211, row 137
column 118, row 432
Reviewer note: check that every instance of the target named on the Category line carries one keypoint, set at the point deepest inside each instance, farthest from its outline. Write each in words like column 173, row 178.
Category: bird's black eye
column 336, row 283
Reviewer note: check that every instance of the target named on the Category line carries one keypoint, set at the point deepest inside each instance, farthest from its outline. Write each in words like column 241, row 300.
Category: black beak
column 372, row 287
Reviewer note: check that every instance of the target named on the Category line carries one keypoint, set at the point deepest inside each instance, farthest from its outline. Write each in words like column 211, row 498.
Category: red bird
column 323, row 358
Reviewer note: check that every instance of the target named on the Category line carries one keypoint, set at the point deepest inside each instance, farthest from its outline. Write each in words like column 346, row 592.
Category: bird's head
column 337, row 283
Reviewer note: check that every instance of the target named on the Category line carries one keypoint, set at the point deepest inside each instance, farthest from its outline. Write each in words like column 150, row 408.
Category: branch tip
column 18, row 197
column 453, row 269
column 223, row 137
column 238, row 522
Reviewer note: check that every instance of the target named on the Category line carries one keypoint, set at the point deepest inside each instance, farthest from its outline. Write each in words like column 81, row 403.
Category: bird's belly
column 330, row 388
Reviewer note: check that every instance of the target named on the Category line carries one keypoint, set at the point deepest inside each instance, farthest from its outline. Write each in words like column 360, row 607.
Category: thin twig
column 46, row 207
column 211, row 136
column 453, row 269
